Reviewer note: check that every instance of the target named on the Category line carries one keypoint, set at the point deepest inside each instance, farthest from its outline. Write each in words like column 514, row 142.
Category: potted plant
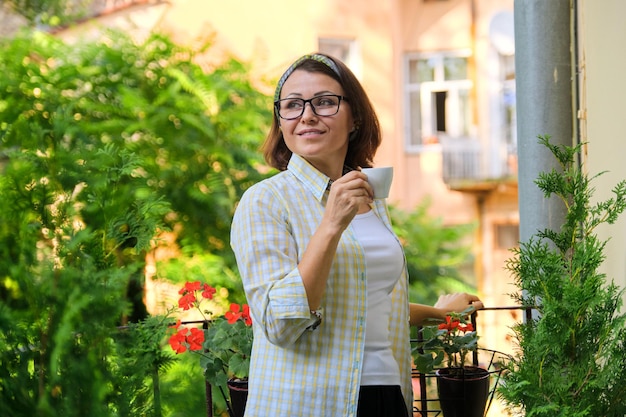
column 223, row 343
column 463, row 388
column 570, row 360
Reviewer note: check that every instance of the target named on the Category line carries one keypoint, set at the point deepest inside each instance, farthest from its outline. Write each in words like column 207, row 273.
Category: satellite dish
column 502, row 33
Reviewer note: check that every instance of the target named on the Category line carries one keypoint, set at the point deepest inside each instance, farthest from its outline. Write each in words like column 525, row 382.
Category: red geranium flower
column 450, row 324
column 246, row 315
column 195, row 339
column 177, row 341
column 208, row 292
column 237, row 312
column 467, row 328
column 233, row 314
column 190, row 287
column 187, row 301
column 230, row 342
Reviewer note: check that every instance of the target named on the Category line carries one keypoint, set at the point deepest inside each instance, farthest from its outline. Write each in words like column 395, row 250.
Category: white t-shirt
column 384, row 262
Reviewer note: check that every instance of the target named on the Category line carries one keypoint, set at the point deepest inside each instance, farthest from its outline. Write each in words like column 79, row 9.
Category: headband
column 315, row 57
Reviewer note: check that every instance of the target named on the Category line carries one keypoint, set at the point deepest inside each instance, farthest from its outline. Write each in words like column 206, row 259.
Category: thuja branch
column 570, row 362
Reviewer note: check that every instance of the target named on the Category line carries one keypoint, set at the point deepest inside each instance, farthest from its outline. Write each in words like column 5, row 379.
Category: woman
column 324, row 275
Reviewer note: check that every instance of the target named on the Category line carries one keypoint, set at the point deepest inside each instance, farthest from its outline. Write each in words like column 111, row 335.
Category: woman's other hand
column 458, row 302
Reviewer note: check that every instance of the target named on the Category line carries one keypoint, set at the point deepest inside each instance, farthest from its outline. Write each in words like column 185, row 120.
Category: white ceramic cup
column 380, row 180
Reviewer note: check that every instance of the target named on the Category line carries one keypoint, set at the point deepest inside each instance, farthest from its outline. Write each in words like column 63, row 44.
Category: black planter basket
column 426, row 401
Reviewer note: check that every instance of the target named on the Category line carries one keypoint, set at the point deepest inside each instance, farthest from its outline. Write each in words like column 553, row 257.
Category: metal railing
column 466, row 159
column 426, row 404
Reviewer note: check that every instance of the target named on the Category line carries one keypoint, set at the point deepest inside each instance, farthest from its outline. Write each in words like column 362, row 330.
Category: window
column 438, row 99
column 344, row 49
column 501, row 76
column 507, row 236
column 509, row 122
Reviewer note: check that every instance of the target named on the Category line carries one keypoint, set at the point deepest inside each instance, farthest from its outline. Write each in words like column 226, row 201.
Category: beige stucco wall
column 270, row 34
column 603, row 61
column 439, row 26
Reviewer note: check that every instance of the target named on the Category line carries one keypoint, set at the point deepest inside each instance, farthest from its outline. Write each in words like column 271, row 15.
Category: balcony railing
column 425, row 401
column 425, row 404
column 468, row 161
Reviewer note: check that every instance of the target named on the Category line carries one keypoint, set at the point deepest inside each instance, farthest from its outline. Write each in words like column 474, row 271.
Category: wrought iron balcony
column 469, row 164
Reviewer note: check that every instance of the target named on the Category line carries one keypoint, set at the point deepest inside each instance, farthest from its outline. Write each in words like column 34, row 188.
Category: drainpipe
column 544, row 51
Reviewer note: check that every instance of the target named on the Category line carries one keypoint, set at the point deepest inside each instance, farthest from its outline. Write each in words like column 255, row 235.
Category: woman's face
column 321, row 140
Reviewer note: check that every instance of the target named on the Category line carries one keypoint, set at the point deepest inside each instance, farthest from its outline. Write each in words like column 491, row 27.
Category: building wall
column 271, row 34
column 603, row 65
column 429, row 27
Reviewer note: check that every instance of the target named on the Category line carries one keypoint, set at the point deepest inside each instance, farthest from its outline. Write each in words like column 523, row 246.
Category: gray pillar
column 544, row 86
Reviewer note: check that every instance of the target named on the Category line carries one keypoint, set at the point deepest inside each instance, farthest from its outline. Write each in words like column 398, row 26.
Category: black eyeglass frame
column 310, row 101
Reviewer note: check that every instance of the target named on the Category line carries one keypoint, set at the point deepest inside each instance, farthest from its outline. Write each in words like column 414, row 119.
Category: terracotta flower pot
column 463, row 392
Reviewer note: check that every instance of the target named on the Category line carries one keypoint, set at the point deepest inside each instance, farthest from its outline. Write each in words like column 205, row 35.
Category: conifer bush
column 571, row 360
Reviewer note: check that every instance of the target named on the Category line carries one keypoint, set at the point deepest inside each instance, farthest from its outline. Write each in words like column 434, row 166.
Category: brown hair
column 364, row 141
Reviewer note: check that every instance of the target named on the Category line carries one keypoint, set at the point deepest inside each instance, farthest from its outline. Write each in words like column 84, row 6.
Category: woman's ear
column 355, row 129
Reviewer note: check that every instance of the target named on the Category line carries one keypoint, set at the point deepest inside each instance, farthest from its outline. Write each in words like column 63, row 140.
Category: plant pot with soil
column 463, row 388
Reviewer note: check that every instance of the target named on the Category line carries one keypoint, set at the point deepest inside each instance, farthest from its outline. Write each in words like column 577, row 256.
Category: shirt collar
column 313, row 179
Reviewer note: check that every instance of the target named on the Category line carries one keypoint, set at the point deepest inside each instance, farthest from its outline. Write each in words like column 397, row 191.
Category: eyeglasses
column 292, row 108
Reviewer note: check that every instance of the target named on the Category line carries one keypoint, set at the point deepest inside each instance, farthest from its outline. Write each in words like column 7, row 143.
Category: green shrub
column 102, row 146
column 571, row 360
column 439, row 257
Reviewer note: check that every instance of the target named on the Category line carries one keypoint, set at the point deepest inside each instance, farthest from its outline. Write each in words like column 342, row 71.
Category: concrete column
column 544, row 86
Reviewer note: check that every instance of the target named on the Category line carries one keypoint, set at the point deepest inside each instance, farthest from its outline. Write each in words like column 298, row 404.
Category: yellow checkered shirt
column 296, row 372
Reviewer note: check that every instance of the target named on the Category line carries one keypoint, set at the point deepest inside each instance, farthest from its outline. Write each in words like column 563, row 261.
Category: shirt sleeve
column 267, row 258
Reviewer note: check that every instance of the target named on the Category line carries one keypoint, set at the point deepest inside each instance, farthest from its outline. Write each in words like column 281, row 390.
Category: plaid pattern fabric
column 295, row 371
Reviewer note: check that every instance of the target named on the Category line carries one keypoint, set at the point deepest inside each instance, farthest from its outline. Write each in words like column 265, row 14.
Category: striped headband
column 316, row 57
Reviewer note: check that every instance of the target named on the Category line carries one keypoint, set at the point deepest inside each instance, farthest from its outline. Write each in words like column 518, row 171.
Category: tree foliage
column 571, row 360
column 196, row 132
column 438, row 256
column 49, row 12
column 103, row 145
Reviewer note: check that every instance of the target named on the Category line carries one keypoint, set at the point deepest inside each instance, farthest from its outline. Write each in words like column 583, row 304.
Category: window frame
column 328, row 45
column 426, row 92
